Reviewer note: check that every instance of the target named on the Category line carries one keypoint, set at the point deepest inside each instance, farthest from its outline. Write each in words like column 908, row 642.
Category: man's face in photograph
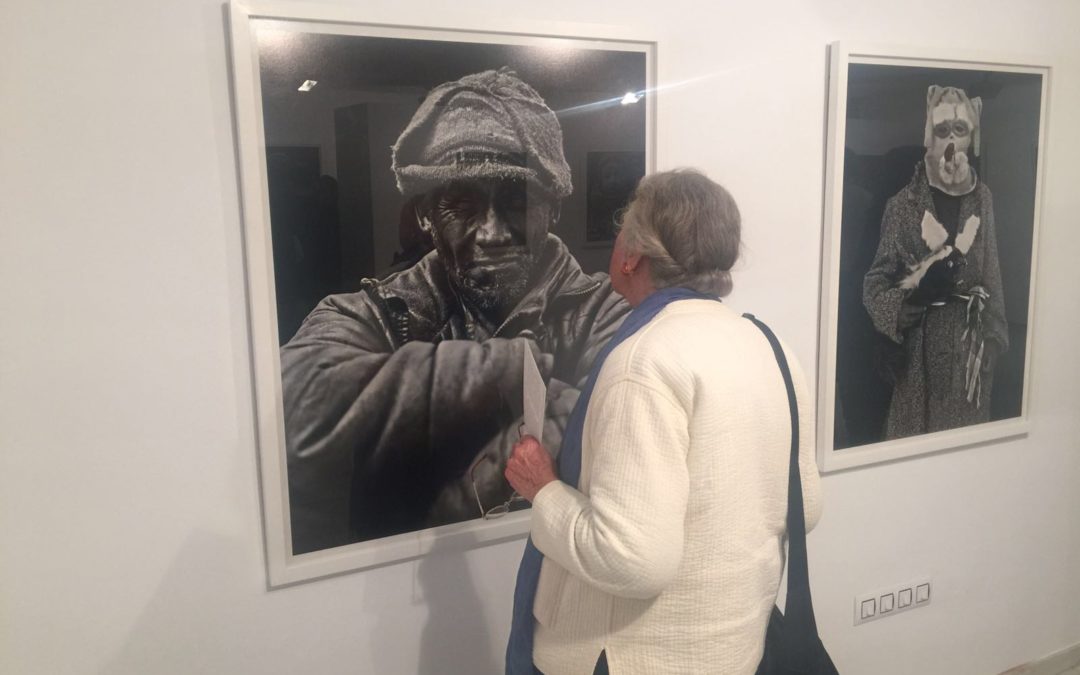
column 490, row 233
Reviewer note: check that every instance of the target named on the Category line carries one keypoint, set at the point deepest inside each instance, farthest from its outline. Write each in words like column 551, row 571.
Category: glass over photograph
column 437, row 212
column 940, row 171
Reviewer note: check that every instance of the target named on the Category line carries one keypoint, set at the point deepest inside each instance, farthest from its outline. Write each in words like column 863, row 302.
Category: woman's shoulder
column 670, row 345
column 687, row 322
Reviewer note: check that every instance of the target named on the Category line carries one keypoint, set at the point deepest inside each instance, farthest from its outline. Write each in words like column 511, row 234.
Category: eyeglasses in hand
column 495, row 511
column 501, row 509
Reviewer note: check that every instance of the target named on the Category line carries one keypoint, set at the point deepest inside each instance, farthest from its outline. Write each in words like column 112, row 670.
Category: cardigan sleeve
column 626, row 537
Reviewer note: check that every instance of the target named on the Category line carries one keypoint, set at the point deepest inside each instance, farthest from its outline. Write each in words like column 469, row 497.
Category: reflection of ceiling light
column 630, row 97
column 308, row 85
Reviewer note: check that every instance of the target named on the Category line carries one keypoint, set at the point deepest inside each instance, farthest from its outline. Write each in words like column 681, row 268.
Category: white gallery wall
column 130, row 527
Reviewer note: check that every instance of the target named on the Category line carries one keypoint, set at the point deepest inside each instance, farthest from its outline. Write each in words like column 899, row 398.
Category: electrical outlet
column 892, row 600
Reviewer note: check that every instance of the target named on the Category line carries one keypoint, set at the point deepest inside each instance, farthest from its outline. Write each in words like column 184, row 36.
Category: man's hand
column 530, row 467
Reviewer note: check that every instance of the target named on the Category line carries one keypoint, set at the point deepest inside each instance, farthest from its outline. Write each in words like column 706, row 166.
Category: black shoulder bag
column 792, row 644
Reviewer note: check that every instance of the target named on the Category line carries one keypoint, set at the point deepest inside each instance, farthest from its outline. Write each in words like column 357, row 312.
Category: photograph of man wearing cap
column 401, row 400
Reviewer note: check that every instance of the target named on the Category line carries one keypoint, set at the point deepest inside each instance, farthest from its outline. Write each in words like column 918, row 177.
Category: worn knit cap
column 486, row 125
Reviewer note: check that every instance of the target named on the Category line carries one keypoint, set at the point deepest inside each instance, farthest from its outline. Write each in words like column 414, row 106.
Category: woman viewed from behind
column 657, row 542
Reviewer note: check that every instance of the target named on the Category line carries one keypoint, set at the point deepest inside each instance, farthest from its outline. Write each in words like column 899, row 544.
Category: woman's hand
column 529, row 468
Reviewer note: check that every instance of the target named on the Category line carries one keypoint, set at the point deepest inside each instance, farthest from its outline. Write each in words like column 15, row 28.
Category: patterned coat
column 391, row 393
column 929, row 393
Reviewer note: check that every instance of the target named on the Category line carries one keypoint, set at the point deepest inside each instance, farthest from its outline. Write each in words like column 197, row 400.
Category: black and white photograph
column 933, row 241
column 429, row 205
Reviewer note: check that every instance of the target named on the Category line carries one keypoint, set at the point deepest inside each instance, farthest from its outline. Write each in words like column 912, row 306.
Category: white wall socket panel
column 891, row 600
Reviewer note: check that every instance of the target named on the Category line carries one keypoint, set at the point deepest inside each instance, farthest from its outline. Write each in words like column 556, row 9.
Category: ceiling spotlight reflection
column 308, row 85
column 630, row 97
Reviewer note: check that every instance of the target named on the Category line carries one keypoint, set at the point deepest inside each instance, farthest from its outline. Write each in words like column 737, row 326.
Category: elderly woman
column 657, row 543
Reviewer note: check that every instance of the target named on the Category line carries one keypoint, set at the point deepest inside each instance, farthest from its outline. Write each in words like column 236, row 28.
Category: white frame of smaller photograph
column 284, row 568
column 841, row 55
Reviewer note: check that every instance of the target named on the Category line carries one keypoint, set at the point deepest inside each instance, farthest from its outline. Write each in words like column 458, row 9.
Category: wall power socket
column 892, row 600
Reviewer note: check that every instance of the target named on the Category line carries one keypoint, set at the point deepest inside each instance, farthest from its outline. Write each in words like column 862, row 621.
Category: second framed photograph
column 418, row 202
column 934, row 173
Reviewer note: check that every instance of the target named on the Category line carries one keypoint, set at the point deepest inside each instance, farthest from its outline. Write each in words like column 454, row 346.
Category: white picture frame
column 245, row 18
column 868, row 138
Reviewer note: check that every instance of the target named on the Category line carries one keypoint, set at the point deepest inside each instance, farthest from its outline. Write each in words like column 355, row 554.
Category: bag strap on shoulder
column 799, row 608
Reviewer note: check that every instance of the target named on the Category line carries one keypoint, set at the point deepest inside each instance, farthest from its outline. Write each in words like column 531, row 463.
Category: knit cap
column 485, row 125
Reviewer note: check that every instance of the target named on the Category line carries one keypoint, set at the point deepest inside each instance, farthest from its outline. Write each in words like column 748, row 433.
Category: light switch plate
column 892, row 600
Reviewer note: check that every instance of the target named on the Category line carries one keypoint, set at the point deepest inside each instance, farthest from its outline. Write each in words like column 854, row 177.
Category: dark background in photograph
column 336, row 214
column 886, row 116
column 612, row 177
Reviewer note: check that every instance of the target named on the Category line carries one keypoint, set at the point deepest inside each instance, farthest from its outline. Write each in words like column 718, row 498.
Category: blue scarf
column 519, row 650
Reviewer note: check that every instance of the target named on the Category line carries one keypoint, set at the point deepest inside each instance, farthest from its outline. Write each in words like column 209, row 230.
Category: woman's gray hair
column 688, row 227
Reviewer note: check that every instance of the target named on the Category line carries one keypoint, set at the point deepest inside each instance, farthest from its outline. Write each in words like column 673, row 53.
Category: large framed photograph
column 934, row 170
column 416, row 227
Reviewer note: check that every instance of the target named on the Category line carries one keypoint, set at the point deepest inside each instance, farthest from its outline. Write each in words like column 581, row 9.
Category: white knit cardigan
column 670, row 553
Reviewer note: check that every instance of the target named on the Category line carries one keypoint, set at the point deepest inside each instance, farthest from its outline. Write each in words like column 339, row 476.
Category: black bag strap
column 799, row 609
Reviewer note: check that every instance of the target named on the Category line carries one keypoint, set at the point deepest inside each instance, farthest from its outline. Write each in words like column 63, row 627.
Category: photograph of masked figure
column 936, row 242
column 433, row 236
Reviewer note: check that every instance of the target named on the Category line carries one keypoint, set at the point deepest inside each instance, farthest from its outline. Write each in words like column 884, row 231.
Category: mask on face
column 952, row 130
